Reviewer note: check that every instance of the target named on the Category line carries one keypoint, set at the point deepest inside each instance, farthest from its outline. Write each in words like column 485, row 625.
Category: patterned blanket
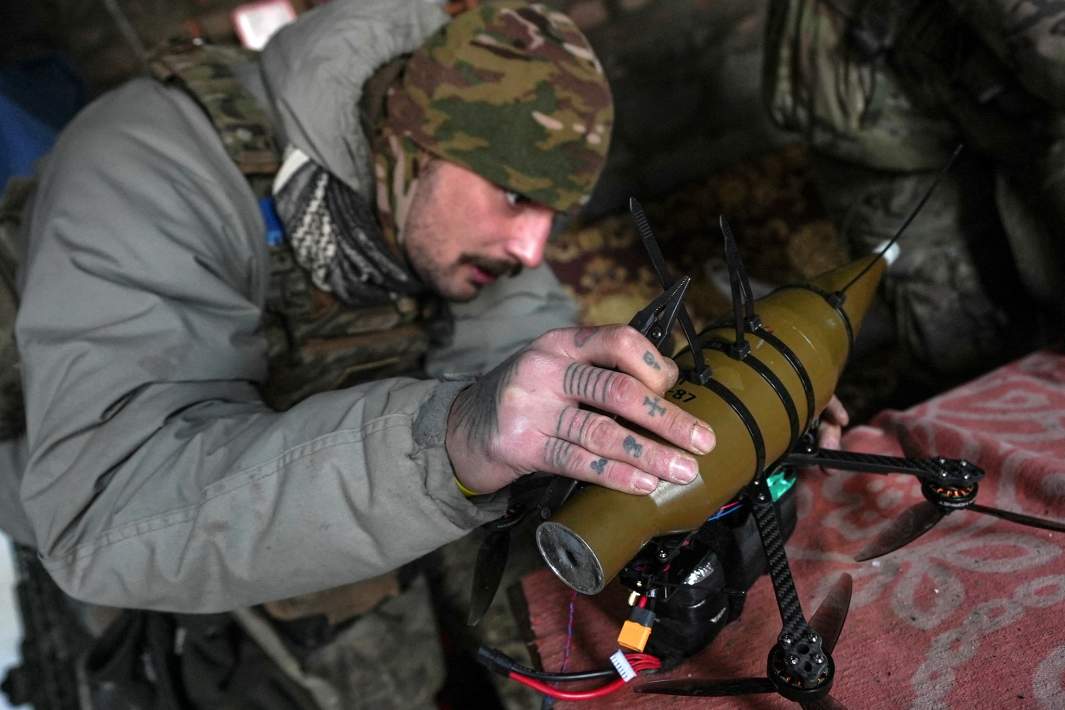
column 771, row 205
column 970, row 615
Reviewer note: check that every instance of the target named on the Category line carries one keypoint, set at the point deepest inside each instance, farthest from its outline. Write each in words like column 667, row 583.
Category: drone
column 689, row 556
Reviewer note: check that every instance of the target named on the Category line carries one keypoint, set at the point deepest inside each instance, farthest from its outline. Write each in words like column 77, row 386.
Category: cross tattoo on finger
column 653, row 407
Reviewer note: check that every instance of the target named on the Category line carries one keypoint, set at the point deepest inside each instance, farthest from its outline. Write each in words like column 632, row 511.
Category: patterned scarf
column 336, row 235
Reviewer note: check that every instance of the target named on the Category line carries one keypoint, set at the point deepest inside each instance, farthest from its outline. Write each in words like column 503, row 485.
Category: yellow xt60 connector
column 637, row 629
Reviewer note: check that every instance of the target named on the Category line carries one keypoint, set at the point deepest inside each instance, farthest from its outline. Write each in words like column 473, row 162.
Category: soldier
column 883, row 93
column 235, row 430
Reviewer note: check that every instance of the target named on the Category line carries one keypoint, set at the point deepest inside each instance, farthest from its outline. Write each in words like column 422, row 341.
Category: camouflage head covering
column 513, row 92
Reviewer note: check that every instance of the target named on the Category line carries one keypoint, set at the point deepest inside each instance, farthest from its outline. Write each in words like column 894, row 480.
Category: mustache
column 495, row 267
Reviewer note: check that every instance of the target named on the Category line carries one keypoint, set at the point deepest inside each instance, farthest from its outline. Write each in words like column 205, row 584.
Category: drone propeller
column 829, row 618
column 1029, row 520
column 488, row 572
column 923, row 516
column 947, row 485
column 495, row 549
column 909, row 526
column 827, row 621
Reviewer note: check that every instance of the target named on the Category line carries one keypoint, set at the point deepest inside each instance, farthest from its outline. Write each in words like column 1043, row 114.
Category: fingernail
column 683, row 469
column 645, row 483
column 703, row 439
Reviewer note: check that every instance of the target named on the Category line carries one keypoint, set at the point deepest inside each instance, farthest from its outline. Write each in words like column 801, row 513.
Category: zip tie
column 622, row 666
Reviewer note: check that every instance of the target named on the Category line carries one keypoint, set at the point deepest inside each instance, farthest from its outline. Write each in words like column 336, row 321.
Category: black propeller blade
column 948, row 485
column 827, row 621
column 491, row 561
column 909, row 526
column 1028, row 520
column 922, row 517
column 538, row 499
column 829, row 618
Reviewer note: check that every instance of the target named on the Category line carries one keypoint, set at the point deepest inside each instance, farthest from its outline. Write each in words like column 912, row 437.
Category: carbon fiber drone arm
column 938, row 470
column 794, row 622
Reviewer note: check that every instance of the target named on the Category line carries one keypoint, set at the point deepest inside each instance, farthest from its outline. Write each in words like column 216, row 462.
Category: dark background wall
column 686, row 80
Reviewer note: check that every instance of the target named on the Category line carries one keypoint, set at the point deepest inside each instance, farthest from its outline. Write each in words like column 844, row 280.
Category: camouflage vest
column 315, row 342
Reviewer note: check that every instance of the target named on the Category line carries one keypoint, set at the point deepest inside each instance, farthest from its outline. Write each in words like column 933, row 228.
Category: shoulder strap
column 206, row 72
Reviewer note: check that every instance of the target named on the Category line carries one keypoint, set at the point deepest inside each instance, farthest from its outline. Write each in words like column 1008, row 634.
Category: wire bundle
column 538, row 681
column 725, row 510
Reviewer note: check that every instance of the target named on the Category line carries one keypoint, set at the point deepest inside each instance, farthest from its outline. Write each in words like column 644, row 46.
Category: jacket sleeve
column 505, row 317
column 156, row 477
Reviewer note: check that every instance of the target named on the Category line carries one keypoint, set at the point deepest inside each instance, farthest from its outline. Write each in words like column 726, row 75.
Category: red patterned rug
column 971, row 615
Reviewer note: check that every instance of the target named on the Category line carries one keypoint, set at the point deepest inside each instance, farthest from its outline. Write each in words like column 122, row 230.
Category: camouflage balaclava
column 511, row 91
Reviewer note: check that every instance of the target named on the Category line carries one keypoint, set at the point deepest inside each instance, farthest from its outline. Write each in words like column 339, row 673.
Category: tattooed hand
column 531, row 414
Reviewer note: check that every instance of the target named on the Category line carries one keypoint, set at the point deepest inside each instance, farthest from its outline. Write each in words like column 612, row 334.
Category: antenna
column 928, row 194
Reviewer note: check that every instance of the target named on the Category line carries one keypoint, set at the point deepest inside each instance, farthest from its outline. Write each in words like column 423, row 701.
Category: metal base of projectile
column 570, row 558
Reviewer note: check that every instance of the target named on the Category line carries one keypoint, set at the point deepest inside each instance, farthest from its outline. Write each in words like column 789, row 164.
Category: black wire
column 565, row 677
column 913, row 214
column 502, row 660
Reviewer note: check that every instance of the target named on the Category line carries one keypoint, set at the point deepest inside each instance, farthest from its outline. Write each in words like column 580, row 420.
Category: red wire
column 639, row 662
column 645, row 657
column 568, row 694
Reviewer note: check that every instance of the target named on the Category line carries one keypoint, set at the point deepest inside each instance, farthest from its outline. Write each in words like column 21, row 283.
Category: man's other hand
column 540, row 411
column 830, row 428
column 833, row 419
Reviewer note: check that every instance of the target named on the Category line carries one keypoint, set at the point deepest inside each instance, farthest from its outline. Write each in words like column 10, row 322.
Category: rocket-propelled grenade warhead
column 758, row 406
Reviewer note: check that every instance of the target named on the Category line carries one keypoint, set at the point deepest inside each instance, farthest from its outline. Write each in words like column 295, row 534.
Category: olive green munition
column 598, row 531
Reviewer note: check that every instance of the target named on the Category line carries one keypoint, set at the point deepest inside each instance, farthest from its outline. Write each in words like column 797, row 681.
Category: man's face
column 464, row 232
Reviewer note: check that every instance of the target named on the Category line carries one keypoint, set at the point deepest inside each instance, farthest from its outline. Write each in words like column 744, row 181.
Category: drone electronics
column 690, row 552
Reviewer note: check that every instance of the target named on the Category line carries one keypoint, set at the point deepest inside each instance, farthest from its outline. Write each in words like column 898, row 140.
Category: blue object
column 37, row 98
column 275, row 233
column 722, row 513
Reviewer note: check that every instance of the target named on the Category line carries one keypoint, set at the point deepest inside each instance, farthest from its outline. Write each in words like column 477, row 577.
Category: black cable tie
column 701, row 371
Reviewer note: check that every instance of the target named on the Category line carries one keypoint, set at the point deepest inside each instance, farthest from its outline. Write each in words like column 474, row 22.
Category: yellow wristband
column 465, row 491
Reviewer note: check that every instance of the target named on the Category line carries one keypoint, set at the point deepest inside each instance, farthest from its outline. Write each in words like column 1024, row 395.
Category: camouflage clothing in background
column 500, row 79
column 941, row 310
column 883, row 92
column 842, row 104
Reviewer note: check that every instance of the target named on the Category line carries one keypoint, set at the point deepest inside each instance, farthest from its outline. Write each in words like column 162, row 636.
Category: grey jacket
column 152, row 475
